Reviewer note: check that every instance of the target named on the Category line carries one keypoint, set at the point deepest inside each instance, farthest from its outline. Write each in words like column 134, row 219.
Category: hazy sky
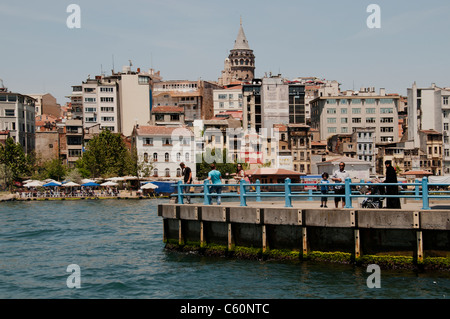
column 190, row 39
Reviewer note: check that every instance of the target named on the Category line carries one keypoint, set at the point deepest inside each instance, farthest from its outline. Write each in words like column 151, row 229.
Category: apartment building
column 350, row 111
column 17, row 116
column 228, row 99
column 164, row 148
column 299, row 138
column 429, row 110
column 273, row 100
column 100, row 100
column 46, row 104
column 315, row 87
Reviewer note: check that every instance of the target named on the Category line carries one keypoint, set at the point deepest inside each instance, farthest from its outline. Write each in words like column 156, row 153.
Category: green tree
column 106, row 155
column 14, row 162
column 54, row 169
column 224, row 164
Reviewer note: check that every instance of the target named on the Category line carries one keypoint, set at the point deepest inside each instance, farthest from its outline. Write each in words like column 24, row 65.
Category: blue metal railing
column 421, row 191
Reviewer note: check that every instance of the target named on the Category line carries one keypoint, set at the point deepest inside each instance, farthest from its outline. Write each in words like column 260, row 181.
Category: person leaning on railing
column 216, row 178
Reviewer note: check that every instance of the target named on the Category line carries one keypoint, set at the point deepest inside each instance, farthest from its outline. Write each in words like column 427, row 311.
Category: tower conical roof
column 241, row 42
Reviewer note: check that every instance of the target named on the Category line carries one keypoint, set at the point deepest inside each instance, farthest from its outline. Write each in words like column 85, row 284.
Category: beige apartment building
column 350, row 111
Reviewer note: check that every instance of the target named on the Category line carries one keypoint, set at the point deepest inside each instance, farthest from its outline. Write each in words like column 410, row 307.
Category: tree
column 14, row 162
column 224, row 166
column 106, row 155
column 54, row 169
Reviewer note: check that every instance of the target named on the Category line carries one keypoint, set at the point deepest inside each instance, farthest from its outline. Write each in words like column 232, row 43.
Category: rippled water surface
column 118, row 247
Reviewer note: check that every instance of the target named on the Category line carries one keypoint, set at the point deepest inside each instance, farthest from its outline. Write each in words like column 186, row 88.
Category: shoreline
column 13, row 197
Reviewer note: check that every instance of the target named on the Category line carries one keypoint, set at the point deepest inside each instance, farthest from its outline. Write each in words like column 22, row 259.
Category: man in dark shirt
column 187, row 173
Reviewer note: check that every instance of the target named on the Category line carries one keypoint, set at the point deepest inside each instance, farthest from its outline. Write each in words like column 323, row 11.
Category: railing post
column 287, row 192
column 180, row 192
column 207, row 198
column 258, row 190
column 243, row 192
column 425, row 199
column 310, row 193
column 416, row 189
column 348, row 192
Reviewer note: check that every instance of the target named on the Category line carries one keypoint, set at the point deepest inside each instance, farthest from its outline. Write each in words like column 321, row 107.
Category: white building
column 17, row 115
column 429, row 109
column 100, row 103
column 164, row 148
column 356, row 168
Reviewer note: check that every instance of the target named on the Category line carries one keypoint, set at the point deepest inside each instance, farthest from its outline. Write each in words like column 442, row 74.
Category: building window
column 148, row 141
column 155, row 172
column 445, row 126
column 331, row 130
column 356, row 120
column 167, row 172
column 445, row 100
column 186, row 157
column 107, row 99
column 331, row 111
column 178, row 157
column 166, row 157
column 370, row 110
column 9, row 113
column 155, row 157
column 356, row 111
column 146, row 157
column 167, row 141
column 178, row 172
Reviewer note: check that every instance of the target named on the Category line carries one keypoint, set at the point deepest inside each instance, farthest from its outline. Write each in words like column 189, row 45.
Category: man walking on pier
column 339, row 177
column 187, row 173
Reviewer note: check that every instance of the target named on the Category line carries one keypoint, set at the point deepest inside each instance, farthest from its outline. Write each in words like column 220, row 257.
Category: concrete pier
column 415, row 234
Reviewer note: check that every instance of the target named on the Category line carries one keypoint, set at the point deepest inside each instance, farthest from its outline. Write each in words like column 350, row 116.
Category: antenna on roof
column 113, row 63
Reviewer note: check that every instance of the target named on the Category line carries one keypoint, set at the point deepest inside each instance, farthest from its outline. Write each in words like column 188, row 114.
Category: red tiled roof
column 161, row 130
column 416, row 173
column 167, row 109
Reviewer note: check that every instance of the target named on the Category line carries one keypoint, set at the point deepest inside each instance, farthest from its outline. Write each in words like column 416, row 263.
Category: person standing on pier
column 216, row 178
column 339, row 177
column 324, row 189
column 187, row 173
column 391, row 177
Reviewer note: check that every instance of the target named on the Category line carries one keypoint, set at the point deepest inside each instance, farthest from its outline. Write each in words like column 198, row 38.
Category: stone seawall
column 393, row 237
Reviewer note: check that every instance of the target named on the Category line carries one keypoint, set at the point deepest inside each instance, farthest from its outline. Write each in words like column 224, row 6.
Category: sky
column 189, row 40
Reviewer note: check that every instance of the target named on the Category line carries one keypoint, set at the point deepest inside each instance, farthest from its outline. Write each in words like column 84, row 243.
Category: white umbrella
column 109, row 183
column 34, row 184
column 70, row 184
column 84, row 181
column 115, row 179
column 149, row 186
